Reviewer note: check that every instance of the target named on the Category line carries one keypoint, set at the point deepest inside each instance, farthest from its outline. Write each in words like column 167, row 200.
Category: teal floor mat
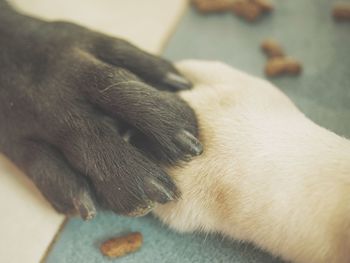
column 307, row 32
column 79, row 242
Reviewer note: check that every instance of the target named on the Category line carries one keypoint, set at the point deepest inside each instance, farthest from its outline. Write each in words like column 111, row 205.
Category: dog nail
column 164, row 195
column 85, row 206
column 189, row 143
column 142, row 210
column 176, row 81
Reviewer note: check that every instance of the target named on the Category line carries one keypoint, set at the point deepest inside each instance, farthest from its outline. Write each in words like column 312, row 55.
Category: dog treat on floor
column 278, row 63
column 249, row 10
column 341, row 11
column 282, row 65
column 264, row 5
column 207, row 6
column 272, row 48
column 123, row 245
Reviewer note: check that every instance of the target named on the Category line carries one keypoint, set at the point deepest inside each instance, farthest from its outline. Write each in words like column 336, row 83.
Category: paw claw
column 141, row 210
column 84, row 205
column 163, row 194
column 189, row 143
column 176, row 81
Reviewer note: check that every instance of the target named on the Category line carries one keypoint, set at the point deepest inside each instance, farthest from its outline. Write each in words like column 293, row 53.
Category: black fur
column 66, row 96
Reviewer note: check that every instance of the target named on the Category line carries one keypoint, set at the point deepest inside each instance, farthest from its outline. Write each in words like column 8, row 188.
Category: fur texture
column 268, row 175
column 67, row 97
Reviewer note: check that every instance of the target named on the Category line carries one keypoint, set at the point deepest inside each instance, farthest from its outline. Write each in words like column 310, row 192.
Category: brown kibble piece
column 207, row 6
column 121, row 246
column 246, row 9
column 264, row 5
column 282, row 65
column 341, row 11
column 272, row 48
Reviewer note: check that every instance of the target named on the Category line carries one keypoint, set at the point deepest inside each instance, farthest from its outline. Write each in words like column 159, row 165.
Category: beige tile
column 27, row 223
column 146, row 23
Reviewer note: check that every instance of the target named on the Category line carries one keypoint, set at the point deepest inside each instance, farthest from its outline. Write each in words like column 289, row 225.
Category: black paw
column 68, row 96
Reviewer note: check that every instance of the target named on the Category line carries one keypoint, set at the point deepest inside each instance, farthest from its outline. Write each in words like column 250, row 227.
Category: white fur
column 268, row 175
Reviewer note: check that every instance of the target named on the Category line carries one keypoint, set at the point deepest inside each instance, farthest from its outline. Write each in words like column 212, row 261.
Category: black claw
column 85, row 206
column 162, row 194
column 176, row 81
column 141, row 210
column 189, row 143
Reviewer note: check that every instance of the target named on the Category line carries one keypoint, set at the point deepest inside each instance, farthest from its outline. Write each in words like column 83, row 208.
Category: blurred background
column 177, row 30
